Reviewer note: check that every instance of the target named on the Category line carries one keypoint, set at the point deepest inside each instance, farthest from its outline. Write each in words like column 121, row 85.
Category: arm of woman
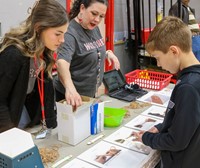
column 72, row 96
column 112, row 58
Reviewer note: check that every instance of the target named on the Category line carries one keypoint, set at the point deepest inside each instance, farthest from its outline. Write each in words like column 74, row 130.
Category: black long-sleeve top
column 179, row 134
column 14, row 77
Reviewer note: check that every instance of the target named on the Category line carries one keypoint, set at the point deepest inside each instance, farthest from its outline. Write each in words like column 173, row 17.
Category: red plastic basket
column 148, row 79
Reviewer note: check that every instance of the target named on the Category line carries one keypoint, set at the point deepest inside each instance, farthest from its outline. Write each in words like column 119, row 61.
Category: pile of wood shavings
column 128, row 114
column 49, row 154
column 136, row 105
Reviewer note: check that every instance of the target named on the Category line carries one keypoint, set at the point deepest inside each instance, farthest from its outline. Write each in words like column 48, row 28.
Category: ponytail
column 75, row 9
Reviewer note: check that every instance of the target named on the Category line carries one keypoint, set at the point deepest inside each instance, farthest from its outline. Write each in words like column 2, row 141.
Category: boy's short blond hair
column 170, row 31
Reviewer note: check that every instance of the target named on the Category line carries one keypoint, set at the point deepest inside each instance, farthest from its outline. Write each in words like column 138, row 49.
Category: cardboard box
column 73, row 127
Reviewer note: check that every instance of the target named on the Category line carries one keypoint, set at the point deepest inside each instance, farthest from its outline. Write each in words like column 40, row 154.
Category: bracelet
column 108, row 51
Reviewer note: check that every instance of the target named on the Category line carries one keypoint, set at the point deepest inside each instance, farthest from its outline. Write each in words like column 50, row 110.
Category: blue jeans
column 196, row 46
column 25, row 119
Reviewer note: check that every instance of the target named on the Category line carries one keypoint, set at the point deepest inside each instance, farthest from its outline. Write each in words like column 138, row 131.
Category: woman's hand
column 73, row 98
column 71, row 95
column 113, row 58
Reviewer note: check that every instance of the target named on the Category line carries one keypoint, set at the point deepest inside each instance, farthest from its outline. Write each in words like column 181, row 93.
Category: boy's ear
column 174, row 49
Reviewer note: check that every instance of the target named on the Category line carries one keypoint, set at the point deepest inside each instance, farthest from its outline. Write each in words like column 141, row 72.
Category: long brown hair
column 45, row 14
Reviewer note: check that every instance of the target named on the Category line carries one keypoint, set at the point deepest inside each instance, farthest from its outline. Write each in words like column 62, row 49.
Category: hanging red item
column 68, row 5
column 109, row 21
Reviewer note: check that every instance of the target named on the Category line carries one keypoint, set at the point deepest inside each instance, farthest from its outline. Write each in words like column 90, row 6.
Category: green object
column 113, row 116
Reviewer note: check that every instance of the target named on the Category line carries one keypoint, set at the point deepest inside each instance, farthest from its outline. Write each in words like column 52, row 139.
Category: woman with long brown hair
column 26, row 60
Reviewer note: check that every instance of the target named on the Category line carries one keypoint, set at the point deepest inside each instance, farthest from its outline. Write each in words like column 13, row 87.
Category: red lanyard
column 40, row 82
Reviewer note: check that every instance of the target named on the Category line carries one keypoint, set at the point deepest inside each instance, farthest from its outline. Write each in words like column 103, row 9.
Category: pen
column 95, row 139
column 61, row 161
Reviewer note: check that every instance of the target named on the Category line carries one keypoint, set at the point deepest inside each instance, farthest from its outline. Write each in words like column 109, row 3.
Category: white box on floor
column 73, row 127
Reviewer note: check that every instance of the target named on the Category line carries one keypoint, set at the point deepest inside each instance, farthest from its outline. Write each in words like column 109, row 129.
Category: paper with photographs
column 143, row 123
column 107, row 155
column 156, row 98
column 155, row 112
column 166, row 91
column 125, row 137
column 76, row 163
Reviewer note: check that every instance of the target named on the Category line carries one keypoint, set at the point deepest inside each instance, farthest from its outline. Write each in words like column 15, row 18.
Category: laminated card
column 155, row 112
column 156, row 98
column 143, row 123
column 108, row 155
column 125, row 137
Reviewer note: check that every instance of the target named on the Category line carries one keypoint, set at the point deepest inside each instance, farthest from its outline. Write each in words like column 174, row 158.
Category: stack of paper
column 108, row 155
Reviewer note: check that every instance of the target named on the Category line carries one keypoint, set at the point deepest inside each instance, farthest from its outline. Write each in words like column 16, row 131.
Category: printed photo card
column 125, row 137
column 156, row 98
column 143, row 123
column 155, row 112
column 108, row 155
